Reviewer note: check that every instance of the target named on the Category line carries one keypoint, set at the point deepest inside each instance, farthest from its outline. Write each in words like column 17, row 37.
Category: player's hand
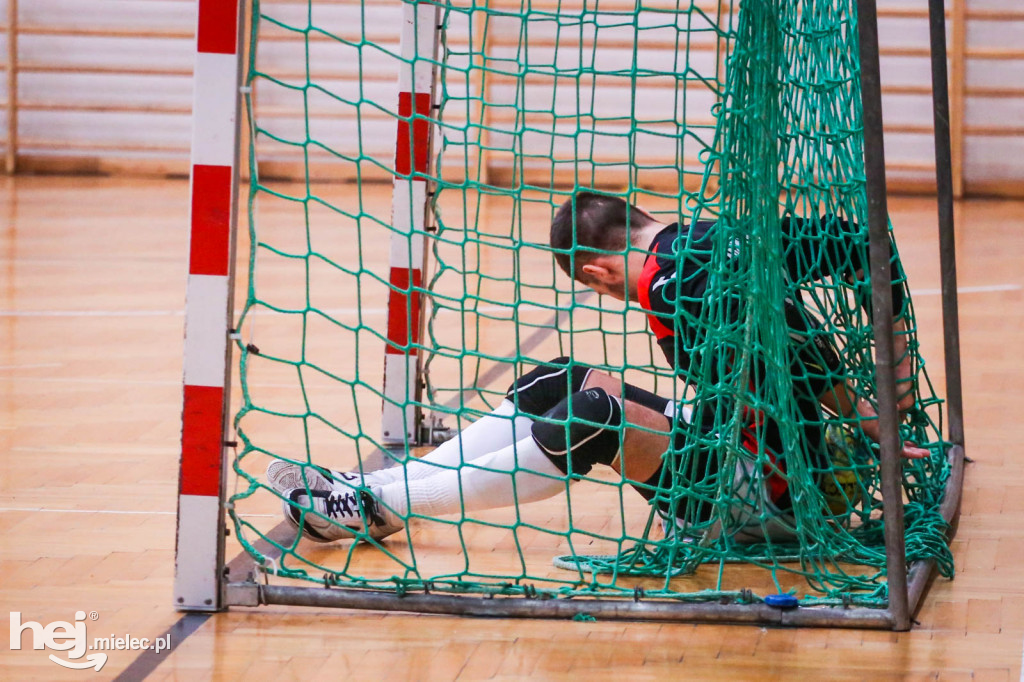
column 911, row 451
column 869, row 425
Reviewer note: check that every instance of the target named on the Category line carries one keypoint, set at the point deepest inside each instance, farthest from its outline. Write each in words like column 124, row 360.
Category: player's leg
column 498, row 428
column 647, row 417
column 684, row 488
column 533, row 394
column 516, row 474
column 474, row 472
column 594, row 427
column 541, row 465
column 333, row 494
column 558, row 449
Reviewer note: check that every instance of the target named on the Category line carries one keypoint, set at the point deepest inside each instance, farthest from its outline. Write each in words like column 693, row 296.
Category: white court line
column 79, row 380
column 985, row 289
column 111, row 511
column 84, row 511
column 35, row 366
column 1022, row 664
column 522, row 307
column 91, row 313
column 161, row 313
column 125, row 382
column 122, row 382
column 96, row 450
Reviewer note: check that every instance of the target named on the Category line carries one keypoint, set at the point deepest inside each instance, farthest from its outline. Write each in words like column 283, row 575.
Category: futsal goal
column 393, row 170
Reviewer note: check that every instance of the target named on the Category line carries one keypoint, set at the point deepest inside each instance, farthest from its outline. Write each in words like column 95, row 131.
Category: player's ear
column 596, row 271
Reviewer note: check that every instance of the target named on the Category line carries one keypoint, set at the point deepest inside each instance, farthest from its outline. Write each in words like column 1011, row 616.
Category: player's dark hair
column 600, row 226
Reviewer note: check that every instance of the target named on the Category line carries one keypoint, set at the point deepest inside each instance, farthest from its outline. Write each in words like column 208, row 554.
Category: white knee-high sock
column 515, row 474
column 489, row 433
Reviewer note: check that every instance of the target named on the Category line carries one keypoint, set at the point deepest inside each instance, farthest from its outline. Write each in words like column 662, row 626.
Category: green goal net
column 743, row 113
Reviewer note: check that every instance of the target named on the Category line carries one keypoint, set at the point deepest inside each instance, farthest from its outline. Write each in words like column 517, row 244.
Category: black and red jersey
column 673, row 291
column 674, row 280
column 668, row 284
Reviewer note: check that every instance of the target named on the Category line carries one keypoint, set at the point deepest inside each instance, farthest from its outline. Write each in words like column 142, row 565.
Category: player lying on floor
column 523, row 452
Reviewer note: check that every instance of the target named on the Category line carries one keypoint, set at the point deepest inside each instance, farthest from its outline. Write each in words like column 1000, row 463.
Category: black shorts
column 816, row 366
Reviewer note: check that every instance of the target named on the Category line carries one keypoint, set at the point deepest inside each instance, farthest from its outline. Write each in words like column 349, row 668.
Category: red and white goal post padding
column 199, row 554
column 410, row 205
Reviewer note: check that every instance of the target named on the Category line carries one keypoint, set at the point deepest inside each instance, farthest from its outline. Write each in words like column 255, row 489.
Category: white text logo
column 72, row 638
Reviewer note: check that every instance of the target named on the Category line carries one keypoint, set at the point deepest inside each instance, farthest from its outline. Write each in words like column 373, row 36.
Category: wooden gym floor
column 92, row 280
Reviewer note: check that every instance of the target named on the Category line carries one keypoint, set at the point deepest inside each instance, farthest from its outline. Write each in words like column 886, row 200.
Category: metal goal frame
column 202, row 579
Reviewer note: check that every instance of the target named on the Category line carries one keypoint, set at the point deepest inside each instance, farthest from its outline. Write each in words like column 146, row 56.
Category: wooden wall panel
column 8, row 49
column 105, row 85
column 993, row 116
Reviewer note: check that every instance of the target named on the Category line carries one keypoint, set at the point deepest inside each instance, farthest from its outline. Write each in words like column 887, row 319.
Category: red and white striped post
column 409, row 206
column 199, row 554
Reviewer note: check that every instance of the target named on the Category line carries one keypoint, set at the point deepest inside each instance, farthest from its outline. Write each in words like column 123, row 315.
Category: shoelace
column 341, row 504
column 346, row 506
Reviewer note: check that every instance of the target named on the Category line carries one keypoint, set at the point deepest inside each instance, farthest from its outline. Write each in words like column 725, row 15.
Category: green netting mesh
column 744, row 113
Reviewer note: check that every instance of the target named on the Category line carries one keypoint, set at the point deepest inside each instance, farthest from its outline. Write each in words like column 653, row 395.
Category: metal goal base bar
column 919, row 575
column 254, row 594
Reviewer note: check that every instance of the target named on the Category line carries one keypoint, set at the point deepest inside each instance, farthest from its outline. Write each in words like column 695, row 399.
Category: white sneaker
column 283, row 476
column 336, row 514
